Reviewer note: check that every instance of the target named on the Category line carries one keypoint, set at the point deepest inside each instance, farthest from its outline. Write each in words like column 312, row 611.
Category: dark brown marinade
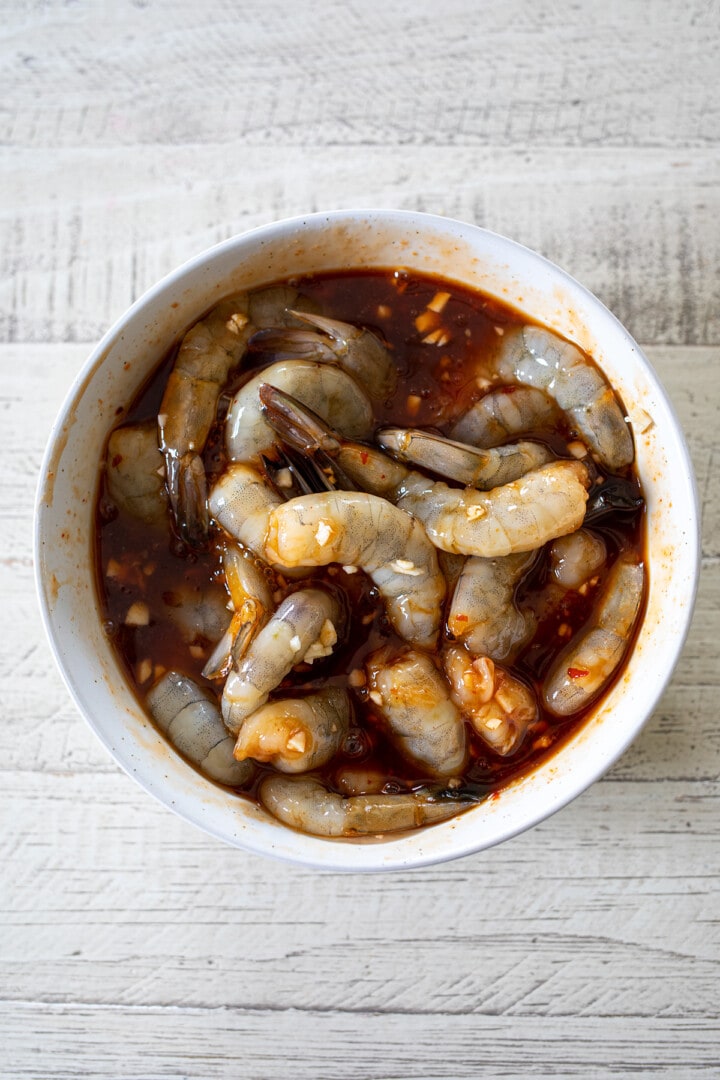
column 435, row 386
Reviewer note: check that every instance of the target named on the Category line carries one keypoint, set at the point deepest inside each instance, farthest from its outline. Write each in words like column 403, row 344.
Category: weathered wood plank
column 503, row 73
column 154, row 1044
column 577, row 917
column 82, row 235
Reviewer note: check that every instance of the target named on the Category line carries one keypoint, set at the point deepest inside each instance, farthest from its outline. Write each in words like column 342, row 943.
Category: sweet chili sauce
column 441, row 364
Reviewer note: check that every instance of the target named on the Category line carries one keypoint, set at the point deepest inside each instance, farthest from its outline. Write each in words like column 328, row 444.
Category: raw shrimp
column 322, row 387
column 134, row 472
column 575, row 558
column 584, row 668
column 468, row 465
column 252, row 603
column 241, row 501
column 208, row 353
column 500, row 707
column 354, row 349
column 304, row 628
column 197, row 612
column 414, row 699
column 573, row 565
column 191, row 720
column 534, row 356
column 520, row 516
column 357, row 529
column 296, row 734
column 504, row 414
column 483, row 613
column 304, row 803
column 308, row 433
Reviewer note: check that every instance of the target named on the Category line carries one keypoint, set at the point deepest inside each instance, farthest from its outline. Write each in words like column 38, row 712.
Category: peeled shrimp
column 468, row 465
column 134, row 472
column 413, row 697
column 296, row 734
column 356, row 529
column 191, row 720
column 305, row 804
column 503, row 414
column 483, row 613
column 322, row 387
column 519, row 516
column 500, row 707
column 208, row 353
column 355, row 350
column 531, row 355
column 304, row 628
column 584, row 668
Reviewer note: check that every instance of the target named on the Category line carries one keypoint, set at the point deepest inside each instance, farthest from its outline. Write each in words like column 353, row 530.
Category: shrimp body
column 504, row 414
column 519, row 516
column 468, row 465
column 252, row 604
column 304, row 627
column 191, row 720
column 483, row 613
column 357, row 529
column 584, row 668
column 304, row 803
column 133, row 481
column 533, row 356
column 421, row 718
column 500, row 707
column 241, row 501
column 208, row 353
column 356, row 350
column 296, row 734
column 324, row 388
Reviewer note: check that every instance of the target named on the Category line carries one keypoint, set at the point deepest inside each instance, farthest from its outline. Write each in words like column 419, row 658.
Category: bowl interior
column 382, row 239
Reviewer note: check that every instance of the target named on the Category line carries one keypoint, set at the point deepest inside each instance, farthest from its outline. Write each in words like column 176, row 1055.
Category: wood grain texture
column 134, row 135
column 83, row 236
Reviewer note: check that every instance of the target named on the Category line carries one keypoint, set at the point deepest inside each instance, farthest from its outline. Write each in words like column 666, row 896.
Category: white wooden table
column 135, row 135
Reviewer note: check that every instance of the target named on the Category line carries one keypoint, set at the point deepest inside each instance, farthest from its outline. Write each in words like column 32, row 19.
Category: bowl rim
column 329, row 854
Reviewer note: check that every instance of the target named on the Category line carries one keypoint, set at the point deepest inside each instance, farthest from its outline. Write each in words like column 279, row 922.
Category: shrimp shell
column 305, row 804
column 584, row 668
column 191, row 720
column 503, row 414
column 324, row 388
column 353, row 528
column 296, row 734
column 534, row 356
column 306, row 620
column 483, row 613
column 500, row 707
column 519, row 516
column 468, row 465
column 134, row 472
column 421, row 718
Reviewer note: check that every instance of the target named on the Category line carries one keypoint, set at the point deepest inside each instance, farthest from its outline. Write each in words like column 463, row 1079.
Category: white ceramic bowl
column 357, row 239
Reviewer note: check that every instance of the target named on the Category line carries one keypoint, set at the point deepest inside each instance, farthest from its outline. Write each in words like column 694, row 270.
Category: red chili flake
column 461, row 618
column 116, row 460
column 364, row 456
column 578, row 672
